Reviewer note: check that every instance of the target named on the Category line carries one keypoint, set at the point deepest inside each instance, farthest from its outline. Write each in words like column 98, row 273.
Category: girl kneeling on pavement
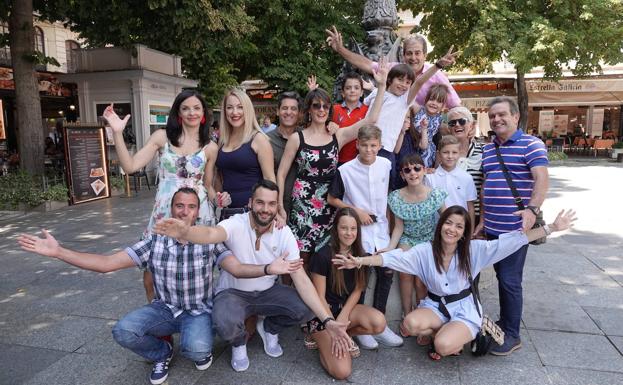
column 446, row 266
column 341, row 292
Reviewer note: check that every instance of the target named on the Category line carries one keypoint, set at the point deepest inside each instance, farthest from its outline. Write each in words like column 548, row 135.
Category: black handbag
column 538, row 222
column 489, row 332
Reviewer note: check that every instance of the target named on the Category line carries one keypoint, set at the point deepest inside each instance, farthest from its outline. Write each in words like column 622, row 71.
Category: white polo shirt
column 241, row 240
column 365, row 187
column 457, row 183
column 391, row 117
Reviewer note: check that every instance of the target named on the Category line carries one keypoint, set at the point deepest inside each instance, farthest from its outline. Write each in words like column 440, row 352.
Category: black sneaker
column 160, row 370
column 204, row 364
column 510, row 345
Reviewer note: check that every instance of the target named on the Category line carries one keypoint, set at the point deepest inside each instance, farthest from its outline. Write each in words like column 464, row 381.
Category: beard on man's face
column 260, row 221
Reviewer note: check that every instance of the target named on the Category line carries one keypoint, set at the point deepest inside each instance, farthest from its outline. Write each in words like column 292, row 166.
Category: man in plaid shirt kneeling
column 182, row 274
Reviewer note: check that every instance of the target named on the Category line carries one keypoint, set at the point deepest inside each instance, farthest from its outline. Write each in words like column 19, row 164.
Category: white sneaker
column 239, row 358
column 389, row 338
column 367, row 342
column 271, row 341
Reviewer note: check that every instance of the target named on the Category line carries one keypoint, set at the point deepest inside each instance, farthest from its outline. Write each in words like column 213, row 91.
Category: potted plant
column 117, row 185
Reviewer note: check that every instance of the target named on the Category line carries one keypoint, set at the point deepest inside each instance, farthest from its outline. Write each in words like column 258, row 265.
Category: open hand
column 380, row 73
column 172, row 227
column 283, row 266
column 344, row 261
column 311, row 82
column 564, row 220
column 340, row 340
column 114, row 121
column 47, row 245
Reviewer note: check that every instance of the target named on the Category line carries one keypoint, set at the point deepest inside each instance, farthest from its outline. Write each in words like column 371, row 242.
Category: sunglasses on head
column 319, row 106
column 454, row 122
column 416, row 168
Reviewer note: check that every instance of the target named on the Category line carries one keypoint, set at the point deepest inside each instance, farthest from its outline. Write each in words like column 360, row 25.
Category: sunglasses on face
column 320, row 106
column 454, row 122
column 416, row 168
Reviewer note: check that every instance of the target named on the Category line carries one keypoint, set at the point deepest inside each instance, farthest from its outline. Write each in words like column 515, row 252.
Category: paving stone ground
column 55, row 320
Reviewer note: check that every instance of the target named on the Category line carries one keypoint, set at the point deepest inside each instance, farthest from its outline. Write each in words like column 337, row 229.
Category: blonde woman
column 245, row 155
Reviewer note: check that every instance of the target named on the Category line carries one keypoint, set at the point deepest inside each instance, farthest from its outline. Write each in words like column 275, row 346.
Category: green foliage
column 37, row 57
column 22, row 187
column 618, row 145
column 117, row 182
column 579, row 34
column 556, row 156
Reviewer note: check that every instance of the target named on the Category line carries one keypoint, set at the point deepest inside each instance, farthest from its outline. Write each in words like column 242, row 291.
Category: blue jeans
column 509, row 272
column 139, row 331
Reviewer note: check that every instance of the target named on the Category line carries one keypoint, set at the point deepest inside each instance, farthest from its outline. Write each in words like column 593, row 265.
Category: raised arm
column 447, row 60
column 289, row 153
column 176, row 228
column 131, row 163
column 334, row 40
column 48, row 246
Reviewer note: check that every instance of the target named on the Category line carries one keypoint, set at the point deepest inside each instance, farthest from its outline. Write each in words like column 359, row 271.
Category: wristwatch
column 535, row 210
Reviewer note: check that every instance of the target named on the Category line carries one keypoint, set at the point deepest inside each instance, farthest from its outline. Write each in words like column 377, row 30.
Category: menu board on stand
column 87, row 162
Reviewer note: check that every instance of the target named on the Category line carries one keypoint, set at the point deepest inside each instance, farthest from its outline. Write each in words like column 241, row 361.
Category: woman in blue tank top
column 245, row 155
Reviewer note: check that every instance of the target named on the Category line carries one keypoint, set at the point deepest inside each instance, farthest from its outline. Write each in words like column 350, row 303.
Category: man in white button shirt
column 448, row 177
column 362, row 185
column 253, row 237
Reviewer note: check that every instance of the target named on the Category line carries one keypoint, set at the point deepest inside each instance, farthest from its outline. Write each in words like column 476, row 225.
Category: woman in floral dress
column 186, row 160
column 315, row 151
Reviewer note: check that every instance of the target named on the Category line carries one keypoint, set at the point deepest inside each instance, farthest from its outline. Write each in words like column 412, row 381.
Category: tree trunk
column 522, row 100
column 29, row 121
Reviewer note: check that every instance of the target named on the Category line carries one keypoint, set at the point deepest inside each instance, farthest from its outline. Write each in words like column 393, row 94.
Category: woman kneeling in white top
column 446, row 266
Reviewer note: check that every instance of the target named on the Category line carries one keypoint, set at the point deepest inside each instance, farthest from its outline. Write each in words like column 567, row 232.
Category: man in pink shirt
column 414, row 54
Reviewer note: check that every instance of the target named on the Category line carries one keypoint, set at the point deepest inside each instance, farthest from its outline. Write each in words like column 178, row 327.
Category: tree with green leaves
column 581, row 35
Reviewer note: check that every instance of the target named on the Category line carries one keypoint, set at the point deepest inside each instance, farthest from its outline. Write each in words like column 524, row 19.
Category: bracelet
column 266, row 270
column 359, row 263
column 438, row 65
column 324, row 322
column 548, row 231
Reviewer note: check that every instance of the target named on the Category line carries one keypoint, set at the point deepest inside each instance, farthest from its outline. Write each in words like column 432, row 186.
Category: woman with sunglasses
column 186, row 159
column 315, row 152
column 462, row 126
column 446, row 265
column 414, row 207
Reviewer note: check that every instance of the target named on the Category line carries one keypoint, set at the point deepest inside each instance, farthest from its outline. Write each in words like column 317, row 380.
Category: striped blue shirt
column 182, row 272
column 520, row 153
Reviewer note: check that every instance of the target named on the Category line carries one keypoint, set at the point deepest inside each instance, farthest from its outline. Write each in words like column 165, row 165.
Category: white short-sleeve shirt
column 391, row 117
column 241, row 240
column 457, row 183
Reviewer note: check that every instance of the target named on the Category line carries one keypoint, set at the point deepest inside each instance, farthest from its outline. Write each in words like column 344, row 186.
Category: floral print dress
column 418, row 217
column 311, row 216
column 177, row 171
column 434, row 122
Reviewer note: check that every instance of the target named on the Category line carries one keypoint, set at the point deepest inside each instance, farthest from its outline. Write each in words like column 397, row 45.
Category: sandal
column 353, row 349
column 404, row 333
column 424, row 340
column 432, row 353
column 309, row 342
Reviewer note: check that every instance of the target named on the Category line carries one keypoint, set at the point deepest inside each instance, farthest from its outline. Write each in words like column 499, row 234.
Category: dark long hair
column 337, row 276
column 312, row 95
column 462, row 248
column 174, row 127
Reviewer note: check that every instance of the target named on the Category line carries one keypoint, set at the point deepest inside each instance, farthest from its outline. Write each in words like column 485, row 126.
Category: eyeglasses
column 320, row 106
column 454, row 122
column 416, row 168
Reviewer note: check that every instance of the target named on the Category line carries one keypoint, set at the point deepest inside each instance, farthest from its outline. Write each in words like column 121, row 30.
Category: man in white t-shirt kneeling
column 253, row 236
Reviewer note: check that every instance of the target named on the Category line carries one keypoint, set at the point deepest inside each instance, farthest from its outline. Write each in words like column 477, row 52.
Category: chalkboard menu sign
column 87, row 164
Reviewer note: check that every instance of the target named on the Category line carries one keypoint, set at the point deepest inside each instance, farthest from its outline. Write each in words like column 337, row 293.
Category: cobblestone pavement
column 55, row 320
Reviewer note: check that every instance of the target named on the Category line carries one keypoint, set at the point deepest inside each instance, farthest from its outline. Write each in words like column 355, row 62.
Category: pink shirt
column 438, row 78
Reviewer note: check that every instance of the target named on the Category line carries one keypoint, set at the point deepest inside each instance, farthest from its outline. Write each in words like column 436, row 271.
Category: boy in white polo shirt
column 457, row 183
column 362, row 184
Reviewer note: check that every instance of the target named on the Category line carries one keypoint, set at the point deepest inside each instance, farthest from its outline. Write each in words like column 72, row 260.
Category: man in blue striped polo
column 525, row 157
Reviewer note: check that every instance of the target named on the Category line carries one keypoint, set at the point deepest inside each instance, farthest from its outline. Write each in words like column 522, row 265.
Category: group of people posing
column 304, row 207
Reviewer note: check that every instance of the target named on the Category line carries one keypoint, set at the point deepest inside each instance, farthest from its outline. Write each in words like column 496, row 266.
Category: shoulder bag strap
column 518, row 200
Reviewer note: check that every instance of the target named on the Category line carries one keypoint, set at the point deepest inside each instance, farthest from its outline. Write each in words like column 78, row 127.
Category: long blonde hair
column 251, row 127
